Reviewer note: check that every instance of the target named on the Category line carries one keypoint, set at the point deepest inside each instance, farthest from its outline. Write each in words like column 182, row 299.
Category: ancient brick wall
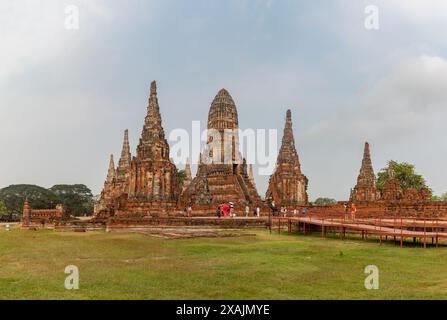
column 392, row 209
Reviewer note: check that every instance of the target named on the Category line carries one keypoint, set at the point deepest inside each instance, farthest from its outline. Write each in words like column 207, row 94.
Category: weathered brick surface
column 388, row 209
column 365, row 189
column 287, row 185
column 222, row 174
column 148, row 183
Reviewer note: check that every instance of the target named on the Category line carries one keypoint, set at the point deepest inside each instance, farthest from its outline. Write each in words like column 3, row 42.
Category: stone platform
column 129, row 224
column 187, row 227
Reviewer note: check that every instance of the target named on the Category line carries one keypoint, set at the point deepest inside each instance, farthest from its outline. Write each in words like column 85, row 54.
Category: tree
column 325, row 202
column 39, row 198
column 3, row 209
column 77, row 199
column 442, row 197
column 404, row 173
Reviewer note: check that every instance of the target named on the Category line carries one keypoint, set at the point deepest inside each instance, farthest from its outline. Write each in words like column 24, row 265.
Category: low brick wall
column 228, row 223
column 390, row 209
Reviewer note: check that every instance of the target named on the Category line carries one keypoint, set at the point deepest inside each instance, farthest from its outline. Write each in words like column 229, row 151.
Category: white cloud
column 33, row 32
column 402, row 100
column 420, row 9
column 402, row 114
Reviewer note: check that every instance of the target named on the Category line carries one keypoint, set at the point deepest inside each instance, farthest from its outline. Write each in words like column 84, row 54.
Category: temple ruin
column 287, row 185
column 148, row 183
column 365, row 189
column 222, row 174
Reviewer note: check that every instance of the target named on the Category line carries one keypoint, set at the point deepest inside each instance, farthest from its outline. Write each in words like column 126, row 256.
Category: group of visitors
column 226, row 210
column 284, row 211
column 350, row 208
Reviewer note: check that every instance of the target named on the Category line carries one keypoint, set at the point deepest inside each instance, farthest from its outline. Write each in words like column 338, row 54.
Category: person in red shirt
column 225, row 209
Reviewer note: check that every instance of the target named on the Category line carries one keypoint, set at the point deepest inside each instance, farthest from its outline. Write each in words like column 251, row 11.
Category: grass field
column 261, row 266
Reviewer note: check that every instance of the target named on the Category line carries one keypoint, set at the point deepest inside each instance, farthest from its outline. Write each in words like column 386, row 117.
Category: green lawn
column 133, row 266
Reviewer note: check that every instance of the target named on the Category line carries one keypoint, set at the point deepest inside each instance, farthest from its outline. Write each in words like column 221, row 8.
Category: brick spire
column 152, row 123
column 287, row 185
column 188, row 177
column 126, row 157
column 26, row 209
column 188, row 170
column 366, row 190
column 287, row 152
column 111, row 174
column 153, row 139
column 366, row 176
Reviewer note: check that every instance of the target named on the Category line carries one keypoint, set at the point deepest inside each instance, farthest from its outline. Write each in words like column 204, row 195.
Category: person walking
column 258, row 212
column 231, row 209
column 273, row 208
column 247, row 211
column 219, row 211
column 353, row 211
column 189, row 211
column 225, row 209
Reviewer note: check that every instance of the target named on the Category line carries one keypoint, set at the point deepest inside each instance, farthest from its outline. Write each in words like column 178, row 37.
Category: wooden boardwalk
column 400, row 229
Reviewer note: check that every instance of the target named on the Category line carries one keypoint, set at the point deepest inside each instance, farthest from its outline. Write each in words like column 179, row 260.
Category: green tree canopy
column 3, row 209
column 77, row 199
column 324, row 202
column 39, row 198
column 404, row 173
column 442, row 197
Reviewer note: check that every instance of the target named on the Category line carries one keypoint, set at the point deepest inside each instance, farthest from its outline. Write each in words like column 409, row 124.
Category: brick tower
column 146, row 185
column 365, row 190
column 222, row 172
column 287, row 185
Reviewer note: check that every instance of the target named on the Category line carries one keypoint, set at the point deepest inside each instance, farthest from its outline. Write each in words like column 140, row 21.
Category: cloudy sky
column 66, row 95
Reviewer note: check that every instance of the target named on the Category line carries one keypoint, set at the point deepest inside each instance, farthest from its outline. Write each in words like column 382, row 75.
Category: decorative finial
column 366, row 152
column 153, row 88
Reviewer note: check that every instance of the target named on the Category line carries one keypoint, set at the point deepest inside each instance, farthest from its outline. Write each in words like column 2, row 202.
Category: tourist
column 247, row 211
column 219, row 211
column 353, row 211
column 189, row 211
column 295, row 212
column 258, row 212
column 303, row 211
column 273, row 208
column 225, row 209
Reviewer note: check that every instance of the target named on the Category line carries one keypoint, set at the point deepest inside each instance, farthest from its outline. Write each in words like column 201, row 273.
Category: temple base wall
column 389, row 209
column 135, row 224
